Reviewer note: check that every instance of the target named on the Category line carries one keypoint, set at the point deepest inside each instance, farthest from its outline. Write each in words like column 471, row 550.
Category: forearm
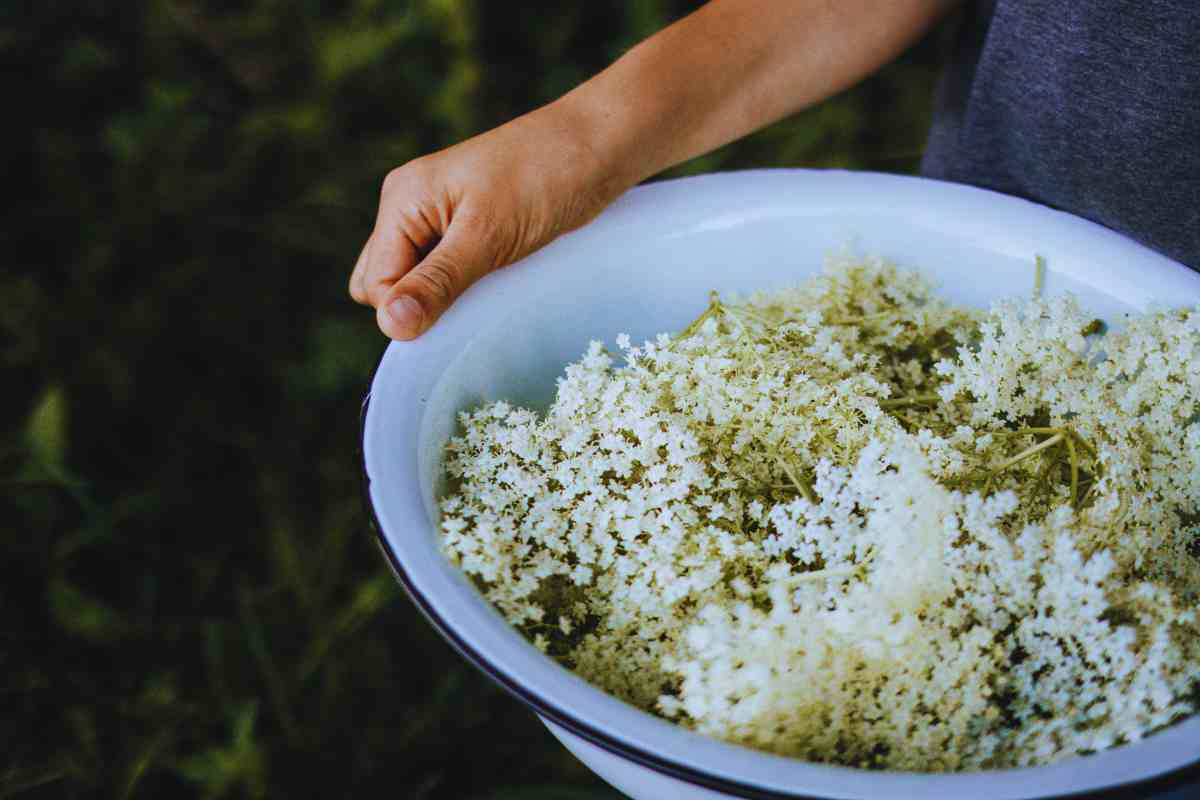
column 449, row 218
column 728, row 69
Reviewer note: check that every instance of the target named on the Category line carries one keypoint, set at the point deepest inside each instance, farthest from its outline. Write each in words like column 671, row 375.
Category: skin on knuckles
column 435, row 283
column 404, row 233
column 390, row 259
column 461, row 257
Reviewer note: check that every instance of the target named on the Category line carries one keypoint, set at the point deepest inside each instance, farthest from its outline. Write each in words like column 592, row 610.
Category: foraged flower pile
column 852, row 523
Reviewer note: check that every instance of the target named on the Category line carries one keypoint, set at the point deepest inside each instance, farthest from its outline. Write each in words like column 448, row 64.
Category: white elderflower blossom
column 850, row 522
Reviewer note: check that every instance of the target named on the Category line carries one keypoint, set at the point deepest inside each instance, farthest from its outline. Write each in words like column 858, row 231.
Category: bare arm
column 733, row 66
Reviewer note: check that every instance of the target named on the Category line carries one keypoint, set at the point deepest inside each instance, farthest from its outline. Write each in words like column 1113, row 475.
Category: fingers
column 422, row 295
column 427, row 248
column 358, row 277
column 410, row 220
column 391, row 255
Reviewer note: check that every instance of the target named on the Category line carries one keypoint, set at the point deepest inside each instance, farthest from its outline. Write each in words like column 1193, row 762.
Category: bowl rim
column 1185, row 775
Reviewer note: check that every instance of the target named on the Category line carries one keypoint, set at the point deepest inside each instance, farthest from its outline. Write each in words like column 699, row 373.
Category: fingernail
column 407, row 314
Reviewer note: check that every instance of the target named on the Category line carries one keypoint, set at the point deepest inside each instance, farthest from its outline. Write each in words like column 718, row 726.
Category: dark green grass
column 190, row 604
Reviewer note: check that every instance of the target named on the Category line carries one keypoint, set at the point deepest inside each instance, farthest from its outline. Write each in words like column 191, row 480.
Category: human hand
column 447, row 219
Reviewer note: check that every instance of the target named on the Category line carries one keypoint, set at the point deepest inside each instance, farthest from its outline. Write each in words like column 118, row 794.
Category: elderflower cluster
column 852, row 523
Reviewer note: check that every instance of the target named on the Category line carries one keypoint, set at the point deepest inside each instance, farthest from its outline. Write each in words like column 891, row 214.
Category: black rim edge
column 1187, row 776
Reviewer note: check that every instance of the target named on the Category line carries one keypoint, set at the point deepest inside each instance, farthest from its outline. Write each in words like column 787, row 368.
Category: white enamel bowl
column 646, row 265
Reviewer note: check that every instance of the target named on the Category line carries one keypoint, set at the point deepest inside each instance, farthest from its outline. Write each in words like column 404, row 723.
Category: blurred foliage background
column 190, row 604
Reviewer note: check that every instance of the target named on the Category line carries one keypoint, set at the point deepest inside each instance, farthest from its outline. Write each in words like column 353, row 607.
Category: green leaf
column 371, row 596
column 83, row 615
column 240, row 764
column 345, row 51
column 47, row 427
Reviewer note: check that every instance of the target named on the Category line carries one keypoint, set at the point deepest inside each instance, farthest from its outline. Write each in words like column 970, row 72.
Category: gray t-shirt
column 1090, row 106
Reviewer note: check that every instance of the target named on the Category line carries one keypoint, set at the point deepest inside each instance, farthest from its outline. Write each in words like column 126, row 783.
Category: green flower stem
column 1084, row 443
column 916, row 400
column 822, row 574
column 800, row 485
column 747, row 312
column 1070, row 440
column 834, row 572
column 714, row 307
column 856, row 320
column 1029, row 451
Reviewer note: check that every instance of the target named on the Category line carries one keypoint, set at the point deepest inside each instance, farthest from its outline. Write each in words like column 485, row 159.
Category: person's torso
column 1091, row 106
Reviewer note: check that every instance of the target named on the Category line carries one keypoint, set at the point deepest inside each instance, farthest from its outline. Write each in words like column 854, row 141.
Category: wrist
column 598, row 159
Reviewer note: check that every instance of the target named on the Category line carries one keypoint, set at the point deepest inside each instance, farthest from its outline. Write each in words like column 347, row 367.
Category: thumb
column 417, row 300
